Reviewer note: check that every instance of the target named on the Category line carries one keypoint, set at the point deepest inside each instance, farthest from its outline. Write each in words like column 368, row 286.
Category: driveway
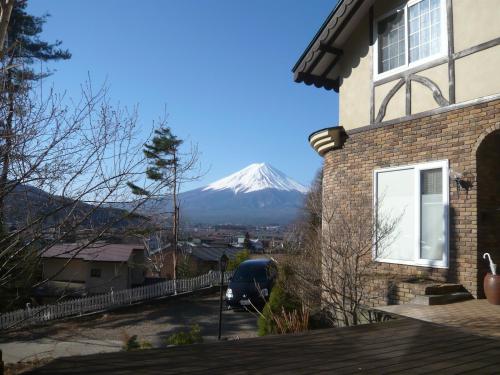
column 152, row 322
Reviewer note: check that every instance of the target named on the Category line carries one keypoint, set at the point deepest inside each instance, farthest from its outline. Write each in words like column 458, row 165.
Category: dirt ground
column 152, row 322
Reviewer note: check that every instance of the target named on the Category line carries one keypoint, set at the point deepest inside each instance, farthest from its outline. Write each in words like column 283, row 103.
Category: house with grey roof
column 92, row 269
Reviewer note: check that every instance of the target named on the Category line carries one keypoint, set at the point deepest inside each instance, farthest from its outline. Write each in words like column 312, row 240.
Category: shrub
column 240, row 257
column 186, row 337
column 278, row 307
column 291, row 322
column 132, row 343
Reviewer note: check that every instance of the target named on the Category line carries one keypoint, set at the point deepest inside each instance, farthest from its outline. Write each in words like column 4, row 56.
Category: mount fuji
column 256, row 195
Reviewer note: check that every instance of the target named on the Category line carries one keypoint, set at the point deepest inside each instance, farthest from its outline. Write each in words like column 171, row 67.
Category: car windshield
column 250, row 273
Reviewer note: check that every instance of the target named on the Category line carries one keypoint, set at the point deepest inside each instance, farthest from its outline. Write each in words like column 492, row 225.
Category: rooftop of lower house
column 212, row 253
column 98, row 252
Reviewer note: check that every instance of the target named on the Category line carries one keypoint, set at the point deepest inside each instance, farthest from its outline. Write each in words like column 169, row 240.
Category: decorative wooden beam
column 388, row 97
column 335, row 34
column 330, row 66
column 451, row 51
column 477, row 48
column 406, row 73
column 408, row 97
column 330, row 49
column 372, row 76
column 431, row 85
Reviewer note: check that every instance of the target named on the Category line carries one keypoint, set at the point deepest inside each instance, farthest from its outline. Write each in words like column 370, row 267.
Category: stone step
column 436, row 289
column 441, row 299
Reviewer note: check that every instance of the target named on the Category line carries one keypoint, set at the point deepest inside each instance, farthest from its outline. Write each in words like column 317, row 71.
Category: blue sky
column 221, row 67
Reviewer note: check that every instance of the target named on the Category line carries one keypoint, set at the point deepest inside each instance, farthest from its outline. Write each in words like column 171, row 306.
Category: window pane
column 391, row 37
column 425, row 35
column 432, row 223
column 396, row 197
column 414, row 54
column 425, row 21
column 424, row 6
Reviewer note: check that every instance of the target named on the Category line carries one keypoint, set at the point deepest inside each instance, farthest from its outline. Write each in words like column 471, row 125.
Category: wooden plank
column 330, row 49
column 372, row 75
column 451, row 50
column 404, row 74
column 404, row 346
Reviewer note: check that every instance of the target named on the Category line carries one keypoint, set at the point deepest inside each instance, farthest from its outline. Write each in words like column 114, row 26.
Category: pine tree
column 23, row 48
column 163, row 168
column 247, row 244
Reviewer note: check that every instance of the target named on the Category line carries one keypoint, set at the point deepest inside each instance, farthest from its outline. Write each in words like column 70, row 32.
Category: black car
column 251, row 284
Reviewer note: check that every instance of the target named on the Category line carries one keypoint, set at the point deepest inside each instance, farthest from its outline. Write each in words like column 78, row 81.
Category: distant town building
column 194, row 259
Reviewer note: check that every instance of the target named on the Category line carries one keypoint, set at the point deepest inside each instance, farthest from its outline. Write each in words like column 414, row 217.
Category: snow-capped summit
column 256, row 177
column 257, row 195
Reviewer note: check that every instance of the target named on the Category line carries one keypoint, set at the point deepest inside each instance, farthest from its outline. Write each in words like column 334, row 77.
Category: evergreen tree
column 163, row 168
column 247, row 244
column 23, row 49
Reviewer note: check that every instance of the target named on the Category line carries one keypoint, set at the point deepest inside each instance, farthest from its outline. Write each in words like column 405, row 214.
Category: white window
column 415, row 198
column 409, row 36
column 391, row 36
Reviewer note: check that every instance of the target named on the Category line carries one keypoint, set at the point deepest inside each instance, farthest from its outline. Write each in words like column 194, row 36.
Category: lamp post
column 222, row 267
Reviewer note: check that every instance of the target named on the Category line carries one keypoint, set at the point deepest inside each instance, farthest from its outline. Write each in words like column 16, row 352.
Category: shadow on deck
column 398, row 346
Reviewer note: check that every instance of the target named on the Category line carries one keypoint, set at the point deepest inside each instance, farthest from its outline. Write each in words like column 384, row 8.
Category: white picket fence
column 85, row 305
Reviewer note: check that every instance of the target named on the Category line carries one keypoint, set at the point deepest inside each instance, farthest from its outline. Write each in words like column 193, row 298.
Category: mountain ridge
column 258, row 194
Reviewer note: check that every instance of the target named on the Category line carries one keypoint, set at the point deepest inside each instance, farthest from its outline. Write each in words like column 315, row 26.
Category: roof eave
column 317, row 35
column 322, row 44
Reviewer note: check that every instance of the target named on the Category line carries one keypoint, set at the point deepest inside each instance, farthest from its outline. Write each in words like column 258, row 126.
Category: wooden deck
column 476, row 316
column 400, row 346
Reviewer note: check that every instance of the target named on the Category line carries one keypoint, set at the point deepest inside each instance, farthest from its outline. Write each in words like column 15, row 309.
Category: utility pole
column 222, row 268
column 175, row 226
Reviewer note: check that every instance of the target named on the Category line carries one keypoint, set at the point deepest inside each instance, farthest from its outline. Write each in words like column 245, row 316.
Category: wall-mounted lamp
column 463, row 181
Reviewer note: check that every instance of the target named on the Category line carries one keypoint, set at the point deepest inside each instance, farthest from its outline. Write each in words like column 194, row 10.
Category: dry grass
column 292, row 322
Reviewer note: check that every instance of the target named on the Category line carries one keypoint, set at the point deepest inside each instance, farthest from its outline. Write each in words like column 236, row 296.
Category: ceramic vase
column 492, row 288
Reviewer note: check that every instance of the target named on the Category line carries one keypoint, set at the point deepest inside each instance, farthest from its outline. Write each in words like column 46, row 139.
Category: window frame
column 417, row 168
column 95, row 272
column 444, row 41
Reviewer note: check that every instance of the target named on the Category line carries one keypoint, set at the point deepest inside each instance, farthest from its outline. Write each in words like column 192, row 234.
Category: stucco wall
column 421, row 96
column 75, row 271
column 477, row 75
column 475, row 22
column 112, row 275
column 355, row 88
column 452, row 136
column 396, row 107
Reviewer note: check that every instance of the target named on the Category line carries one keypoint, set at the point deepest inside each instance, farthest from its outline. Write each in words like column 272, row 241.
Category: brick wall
column 454, row 135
